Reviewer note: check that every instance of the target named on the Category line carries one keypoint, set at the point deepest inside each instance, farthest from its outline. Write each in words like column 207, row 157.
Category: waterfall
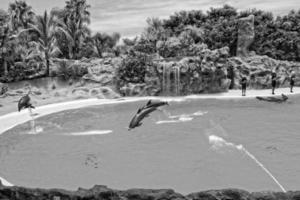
column 171, row 87
column 177, row 80
column 166, row 79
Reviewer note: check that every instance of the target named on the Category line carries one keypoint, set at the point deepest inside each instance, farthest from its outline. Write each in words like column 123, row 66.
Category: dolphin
column 139, row 116
column 274, row 99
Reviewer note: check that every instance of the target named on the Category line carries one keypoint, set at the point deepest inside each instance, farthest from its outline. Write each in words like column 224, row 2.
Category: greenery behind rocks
column 30, row 44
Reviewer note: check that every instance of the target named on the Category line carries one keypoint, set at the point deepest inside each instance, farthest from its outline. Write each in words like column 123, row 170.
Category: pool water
column 92, row 145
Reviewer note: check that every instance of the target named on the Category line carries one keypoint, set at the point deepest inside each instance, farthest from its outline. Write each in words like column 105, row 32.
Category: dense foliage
column 28, row 41
column 278, row 37
column 133, row 69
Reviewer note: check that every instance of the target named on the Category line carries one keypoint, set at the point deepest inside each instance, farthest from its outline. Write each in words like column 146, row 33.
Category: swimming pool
column 91, row 145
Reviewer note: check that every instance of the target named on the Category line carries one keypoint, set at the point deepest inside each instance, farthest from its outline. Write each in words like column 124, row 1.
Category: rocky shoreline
column 105, row 193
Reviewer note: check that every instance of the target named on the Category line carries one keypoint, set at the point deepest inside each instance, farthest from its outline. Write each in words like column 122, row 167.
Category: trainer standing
column 244, row 85
column 273, row 82
column 292, row 81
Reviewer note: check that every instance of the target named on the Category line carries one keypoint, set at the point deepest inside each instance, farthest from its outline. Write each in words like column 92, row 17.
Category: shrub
column 73, row 71
column 132, row 69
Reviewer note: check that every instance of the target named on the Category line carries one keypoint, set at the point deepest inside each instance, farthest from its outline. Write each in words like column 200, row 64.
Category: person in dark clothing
column 292, row 81
column 244, row 85
column 274, row 76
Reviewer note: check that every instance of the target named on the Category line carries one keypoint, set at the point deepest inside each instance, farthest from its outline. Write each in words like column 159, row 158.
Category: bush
column 73, row 71
column 132, row 69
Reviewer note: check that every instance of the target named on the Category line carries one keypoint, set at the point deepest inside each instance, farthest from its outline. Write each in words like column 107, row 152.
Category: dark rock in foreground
column 104, row 193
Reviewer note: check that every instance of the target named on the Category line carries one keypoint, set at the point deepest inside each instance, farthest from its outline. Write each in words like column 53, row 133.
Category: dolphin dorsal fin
column 139, row 110
column 148, row 103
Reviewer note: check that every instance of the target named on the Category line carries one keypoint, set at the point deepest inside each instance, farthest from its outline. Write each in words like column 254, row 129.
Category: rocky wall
column 104, row 193
column 258, row 70
column 206, row 73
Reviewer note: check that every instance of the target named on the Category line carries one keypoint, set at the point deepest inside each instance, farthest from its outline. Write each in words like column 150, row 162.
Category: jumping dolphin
column 24, row 102
column 139, row 116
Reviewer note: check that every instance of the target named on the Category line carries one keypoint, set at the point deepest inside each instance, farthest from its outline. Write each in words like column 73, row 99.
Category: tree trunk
column 47, row 64
column 5, row 67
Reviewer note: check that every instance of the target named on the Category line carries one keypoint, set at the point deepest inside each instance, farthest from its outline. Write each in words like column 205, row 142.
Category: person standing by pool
column 244, row 85
column 292, row 81
column 273, row 82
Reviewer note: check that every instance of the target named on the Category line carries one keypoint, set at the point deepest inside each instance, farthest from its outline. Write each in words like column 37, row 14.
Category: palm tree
column 21, row 15
column 76, row 36
column 76, row 19
column 77, row 10
column 46, row 29
column 6, row 40
column 104, row 42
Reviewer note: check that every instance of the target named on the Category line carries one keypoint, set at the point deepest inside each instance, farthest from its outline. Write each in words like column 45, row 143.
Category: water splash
column 218, row 142
column 32, row 122
column 5, row 182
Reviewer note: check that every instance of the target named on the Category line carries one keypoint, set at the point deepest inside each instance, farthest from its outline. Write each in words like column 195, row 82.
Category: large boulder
column 102, row 71
column 134, row 89
column 245, row 35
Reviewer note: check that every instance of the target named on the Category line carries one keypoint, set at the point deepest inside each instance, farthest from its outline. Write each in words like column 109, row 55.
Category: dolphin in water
column 274, row 99
column 140, row 115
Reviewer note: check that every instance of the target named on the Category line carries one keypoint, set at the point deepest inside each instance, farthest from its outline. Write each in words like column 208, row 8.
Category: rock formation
column 258, row 71
column 245, row 35
column 206, row 73
column 105, row 193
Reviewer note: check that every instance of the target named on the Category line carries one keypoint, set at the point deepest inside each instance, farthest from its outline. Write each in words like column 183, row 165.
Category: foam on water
column 36, row 130
column 179, row 118
column 87, row 133
column 200, row 113
column 185, row 118
column 218, row 142
column 167, row 121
